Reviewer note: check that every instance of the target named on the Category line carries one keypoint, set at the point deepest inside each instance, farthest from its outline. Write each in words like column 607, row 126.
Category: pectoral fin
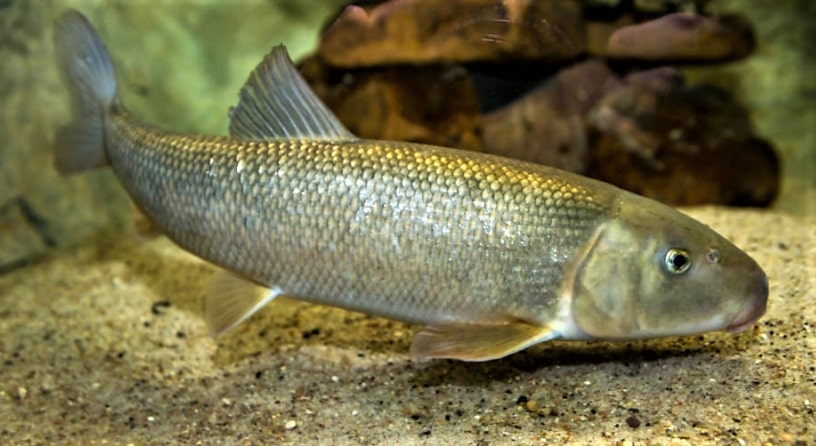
column 476, row 342
column 231, row 300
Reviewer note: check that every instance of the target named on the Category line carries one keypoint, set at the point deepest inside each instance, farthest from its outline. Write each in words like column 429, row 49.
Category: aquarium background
column 102, row 338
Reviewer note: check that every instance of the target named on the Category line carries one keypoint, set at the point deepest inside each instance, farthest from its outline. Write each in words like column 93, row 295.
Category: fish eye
column 677, row 261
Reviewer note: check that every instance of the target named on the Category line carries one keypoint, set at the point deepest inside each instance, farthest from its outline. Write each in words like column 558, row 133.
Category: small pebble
column 531, row 405
column 291, row 424
column 633, row 422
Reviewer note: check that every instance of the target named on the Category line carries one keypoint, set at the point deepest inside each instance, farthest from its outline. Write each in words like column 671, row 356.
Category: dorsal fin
column 277, row 103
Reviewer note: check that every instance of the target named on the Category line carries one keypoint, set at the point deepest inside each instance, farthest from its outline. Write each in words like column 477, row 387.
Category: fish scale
column 491, row 255
column 374, row 226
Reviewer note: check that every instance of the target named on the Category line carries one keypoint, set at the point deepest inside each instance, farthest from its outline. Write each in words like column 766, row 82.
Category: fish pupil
column 677, row 261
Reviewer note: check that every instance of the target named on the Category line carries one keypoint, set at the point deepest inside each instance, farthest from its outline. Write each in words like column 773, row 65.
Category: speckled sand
column 91, row 356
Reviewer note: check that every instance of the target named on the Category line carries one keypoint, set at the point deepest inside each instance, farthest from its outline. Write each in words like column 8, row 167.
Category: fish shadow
column 562, row 358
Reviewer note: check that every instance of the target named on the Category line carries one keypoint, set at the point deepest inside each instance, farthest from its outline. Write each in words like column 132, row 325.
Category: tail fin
column 87, row 71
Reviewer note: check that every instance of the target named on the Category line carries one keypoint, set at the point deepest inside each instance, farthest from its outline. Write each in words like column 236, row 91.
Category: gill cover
column 605, row 283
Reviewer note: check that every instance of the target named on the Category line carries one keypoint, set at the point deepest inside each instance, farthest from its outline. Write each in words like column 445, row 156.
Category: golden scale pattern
column 358, row 222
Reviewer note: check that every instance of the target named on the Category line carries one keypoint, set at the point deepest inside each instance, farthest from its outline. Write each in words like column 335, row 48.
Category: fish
column 488, row 255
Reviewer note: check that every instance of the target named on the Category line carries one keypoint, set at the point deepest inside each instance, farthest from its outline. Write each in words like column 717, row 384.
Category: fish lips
column 754, row 310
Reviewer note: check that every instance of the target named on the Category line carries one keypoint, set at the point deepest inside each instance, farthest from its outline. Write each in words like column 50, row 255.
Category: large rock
column 681, row 145
column 382, row 103
column 422, row 31
column 548, row 125
column 648, row 133
column 682, row 38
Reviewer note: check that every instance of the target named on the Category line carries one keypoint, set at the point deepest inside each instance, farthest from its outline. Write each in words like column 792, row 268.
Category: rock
column 660, row 80
column 429, row 31
column 683, row 37
column 688, row 146
column 547, row 126
column 641, row 132
column 385, row 103
column 604, row 17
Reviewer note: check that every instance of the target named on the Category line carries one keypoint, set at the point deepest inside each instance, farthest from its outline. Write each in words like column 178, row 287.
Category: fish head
column 652, row 271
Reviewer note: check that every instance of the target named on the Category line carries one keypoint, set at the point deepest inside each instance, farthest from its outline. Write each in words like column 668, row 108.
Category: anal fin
column 477, row 342
column 231, row 300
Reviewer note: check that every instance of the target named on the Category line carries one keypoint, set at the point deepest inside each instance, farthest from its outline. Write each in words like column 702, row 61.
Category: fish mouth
column 745, row 319
column 751, row 313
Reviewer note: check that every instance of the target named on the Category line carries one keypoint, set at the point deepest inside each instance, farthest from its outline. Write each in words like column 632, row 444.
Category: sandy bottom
column 104, row 344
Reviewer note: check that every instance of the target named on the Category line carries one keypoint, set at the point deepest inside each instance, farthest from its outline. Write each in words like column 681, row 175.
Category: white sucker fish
column 490, row 255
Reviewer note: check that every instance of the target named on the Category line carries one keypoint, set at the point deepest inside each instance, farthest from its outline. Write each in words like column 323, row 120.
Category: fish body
column 411, row 232
column 490, row 254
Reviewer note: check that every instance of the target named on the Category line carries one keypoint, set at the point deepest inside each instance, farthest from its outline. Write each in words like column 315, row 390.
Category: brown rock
column 689, row 146
column 547, row 126
column 434, row 104
column 662, row 80
column 683, row 37
column 429, row 31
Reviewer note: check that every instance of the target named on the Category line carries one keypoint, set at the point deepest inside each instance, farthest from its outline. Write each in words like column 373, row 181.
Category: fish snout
column 757, row 303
